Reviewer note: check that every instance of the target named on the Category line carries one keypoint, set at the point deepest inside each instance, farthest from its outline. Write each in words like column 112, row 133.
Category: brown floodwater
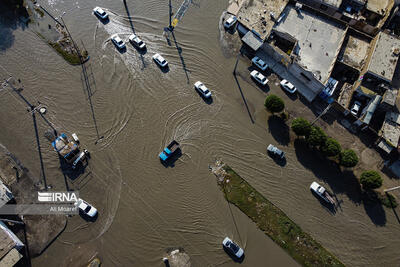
column 133, row 110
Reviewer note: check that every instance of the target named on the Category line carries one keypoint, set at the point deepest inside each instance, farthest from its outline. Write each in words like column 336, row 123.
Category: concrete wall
column 334, row 13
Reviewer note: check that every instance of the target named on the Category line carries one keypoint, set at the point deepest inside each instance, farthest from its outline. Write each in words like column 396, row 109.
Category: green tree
column 317, row 137
column 301, row 127
column 348, row 158
column 274, row 104
column 331, row 148
column 371, row 180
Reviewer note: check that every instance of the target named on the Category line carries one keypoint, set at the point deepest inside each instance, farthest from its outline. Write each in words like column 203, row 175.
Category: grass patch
column 69, row 57
column 273, row 222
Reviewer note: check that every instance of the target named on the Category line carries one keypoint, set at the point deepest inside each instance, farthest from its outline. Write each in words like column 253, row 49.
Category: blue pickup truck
column 169, row 151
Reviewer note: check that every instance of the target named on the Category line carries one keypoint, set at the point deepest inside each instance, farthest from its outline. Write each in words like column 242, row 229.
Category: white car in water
column 136, row 41
column 86, row 208
column 259, row 77
column 259, row 63
column 98, row 11
column 288, row 86
column 230, row 22
column 118, row 41
column 160, row 60
column 232, row 247
column 202, row 89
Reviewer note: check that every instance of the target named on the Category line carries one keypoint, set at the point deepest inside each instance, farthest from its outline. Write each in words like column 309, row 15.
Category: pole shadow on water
column 141, row 53
column 32, row 110
column 240, row 88
column 179, row 49
column 86, row 82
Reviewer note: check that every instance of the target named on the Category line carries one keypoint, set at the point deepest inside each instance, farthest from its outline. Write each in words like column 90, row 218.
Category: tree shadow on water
column 279, row 130
column 328, row 171
column 374, row 208
column 12, row 16
column 344, row 182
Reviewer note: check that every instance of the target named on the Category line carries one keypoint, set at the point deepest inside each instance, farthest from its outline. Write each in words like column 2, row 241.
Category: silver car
column 118, row 41
column 202, row 89
column 261, row 79
column 288, row 86
column 232, row 247
column 160, row 60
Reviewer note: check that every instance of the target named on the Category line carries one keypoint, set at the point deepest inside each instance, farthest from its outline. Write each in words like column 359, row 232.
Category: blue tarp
column 167, row 150
column 163, row 156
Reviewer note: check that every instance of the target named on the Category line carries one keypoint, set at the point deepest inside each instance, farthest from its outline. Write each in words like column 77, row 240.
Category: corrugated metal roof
column 252, row 40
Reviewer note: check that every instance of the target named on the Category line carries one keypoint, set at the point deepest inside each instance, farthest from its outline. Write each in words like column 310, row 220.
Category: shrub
column 348, row 158
column 388, row 200
column 301, row 127
column 274, row 104
column 317, row 137
column 331, row 148
column 371, row 180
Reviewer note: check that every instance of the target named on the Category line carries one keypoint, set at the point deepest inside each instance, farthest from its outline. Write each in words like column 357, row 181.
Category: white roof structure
column 319, row 40
column 384, row 59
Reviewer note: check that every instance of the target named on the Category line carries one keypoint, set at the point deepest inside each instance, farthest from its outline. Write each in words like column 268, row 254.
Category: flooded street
column 133, row 109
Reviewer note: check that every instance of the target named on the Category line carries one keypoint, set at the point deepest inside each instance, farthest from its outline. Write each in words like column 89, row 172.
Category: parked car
column 259, row 77
column 275, row 152
column 98, row 11
column 80, row 159
column 356, row 108
column 86, row 208
column 118, row 41
column 230, row 22
column 202, row 89
column 136, row 41
column 232, row 247
column 288, row 86
column 259, row 63
column 160, row 60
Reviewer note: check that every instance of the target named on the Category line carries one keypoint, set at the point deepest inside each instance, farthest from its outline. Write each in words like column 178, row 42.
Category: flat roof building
column 385, row 57
column 256, row 14
column 319, row 40
column 9, row 247
column 356, row 53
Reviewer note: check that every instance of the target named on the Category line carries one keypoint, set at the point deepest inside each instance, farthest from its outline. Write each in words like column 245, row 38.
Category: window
column 308, row 79
column 323, row 7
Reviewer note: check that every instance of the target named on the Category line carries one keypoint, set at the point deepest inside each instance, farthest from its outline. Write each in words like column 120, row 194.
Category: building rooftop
column 335, row 3
column 5, row 194
column 8, row 241
column 390, row 97
column 252, row 40
column 255, row 14
column 356, row 52
column 378, row 6
column 390, row 129
column 319, row 40
column 384, row 59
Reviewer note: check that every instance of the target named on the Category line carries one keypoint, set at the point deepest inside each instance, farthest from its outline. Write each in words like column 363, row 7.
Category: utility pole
column 170, row 16
column 391, row 189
